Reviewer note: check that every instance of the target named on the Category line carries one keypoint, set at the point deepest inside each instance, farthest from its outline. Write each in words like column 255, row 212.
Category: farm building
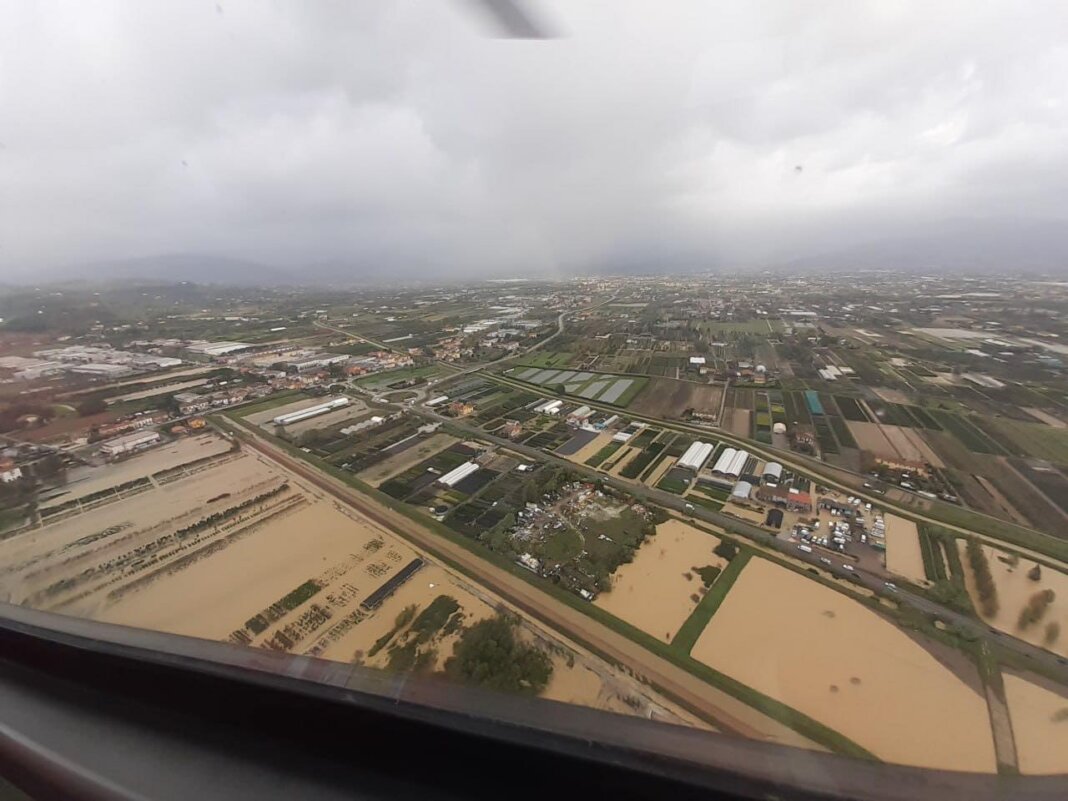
column 128, row 444
column 792, row 499
column 731, row 462
column 742, row 490
column 696, row 455
column 455, row 476
column 311, row 411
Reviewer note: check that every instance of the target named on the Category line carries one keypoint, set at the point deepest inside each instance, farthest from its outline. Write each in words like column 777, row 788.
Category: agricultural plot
column 961, row 428
column 832, row 658
column 636, row 466
column 660, row 588
column 1048, row 479
column 399, row 379
column 1037, row 710
column 851, row 410
column 578, row 441
column 400, row 460
column 1029, row 439
column 670, row 399
column 426, row 472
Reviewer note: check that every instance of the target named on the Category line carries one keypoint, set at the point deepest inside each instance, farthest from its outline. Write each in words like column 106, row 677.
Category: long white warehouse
column 549, row 407
column 696, row 455
column 737, row 463
column 458, row 474
column 311, row 411
column 724, row 460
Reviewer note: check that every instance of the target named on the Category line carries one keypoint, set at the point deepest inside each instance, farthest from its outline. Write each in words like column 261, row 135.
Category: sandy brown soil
column 903, row 555
column 1014, row 590
column 653, row 592
column 1039, row 723
column 832, row 658
column 300, row 534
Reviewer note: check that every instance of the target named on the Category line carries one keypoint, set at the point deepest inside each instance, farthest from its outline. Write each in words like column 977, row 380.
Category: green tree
column 91, row 406
column 489, row 655
column 726, row 550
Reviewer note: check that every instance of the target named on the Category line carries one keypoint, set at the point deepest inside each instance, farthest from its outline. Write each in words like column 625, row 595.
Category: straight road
column 707, row 702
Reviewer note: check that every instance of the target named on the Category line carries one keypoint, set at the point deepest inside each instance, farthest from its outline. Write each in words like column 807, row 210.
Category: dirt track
column 724, row 711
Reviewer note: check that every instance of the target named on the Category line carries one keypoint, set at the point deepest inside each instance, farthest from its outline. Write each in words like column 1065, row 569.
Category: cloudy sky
column 406, row 138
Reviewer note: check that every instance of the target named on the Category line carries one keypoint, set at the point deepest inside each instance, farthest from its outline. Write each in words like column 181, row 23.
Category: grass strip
column 688, row 633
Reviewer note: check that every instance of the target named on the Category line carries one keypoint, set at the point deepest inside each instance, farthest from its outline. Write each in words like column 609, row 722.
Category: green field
column 1035, row 439
column 379, row 381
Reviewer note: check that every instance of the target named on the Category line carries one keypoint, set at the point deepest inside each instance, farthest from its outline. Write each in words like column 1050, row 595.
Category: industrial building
column 314, row 361
column 458, row 474
column 311, row 411
column 731, row 462
column 792, row 499
column 101, row 370
column 129, row 443
column 696, row 455
column 440, row 399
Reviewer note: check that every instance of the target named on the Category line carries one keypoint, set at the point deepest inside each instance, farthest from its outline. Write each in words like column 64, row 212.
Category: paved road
column 872, row 581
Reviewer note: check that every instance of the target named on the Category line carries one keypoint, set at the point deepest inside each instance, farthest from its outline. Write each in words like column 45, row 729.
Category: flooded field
column 236, row 548
column 83, row 481
column 903, row 555
column 657, row 591
column 830, row 657
column 1039, row 724
column 1015, row 589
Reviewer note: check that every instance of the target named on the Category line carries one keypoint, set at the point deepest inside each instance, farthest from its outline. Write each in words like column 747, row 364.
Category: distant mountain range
column 972, row 246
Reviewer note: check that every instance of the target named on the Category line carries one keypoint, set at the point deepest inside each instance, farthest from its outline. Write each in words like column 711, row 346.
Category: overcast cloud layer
column 401, row 138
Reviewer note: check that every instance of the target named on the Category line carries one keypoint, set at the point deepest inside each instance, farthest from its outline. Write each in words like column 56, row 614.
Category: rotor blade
column 511, row 20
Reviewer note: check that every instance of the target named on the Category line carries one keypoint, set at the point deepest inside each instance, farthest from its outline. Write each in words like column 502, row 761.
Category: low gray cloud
column 397, row 138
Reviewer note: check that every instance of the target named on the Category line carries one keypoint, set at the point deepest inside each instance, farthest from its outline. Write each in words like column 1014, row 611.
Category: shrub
column 984, row 580
column 726, row 550
column 708, row 574
column 1053, row 631
column 489, row 655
